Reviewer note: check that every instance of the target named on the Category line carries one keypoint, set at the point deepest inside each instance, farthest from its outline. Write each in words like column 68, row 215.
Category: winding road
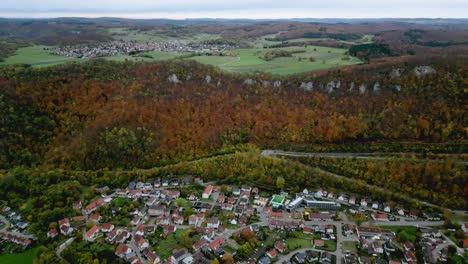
column 275, row 153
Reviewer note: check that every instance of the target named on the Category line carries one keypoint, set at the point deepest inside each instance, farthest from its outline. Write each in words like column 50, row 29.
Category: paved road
column 353, row 155
column 274, row 153
column 6, row 223
column 62, row 247
column 286, row 258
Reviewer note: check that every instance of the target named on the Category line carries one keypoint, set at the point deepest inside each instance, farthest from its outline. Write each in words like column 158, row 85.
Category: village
column 116, row 48
column 185, row 220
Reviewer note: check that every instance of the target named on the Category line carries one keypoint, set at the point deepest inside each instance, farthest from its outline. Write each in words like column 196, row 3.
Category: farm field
column 36, row 56
column 247, row 60
column 240, row 60
column 156, row 56
column 26, row 257
column 125, row 34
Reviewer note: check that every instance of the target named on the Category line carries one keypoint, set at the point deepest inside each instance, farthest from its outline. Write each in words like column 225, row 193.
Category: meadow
column 36, row 56
column 26, row 257
column 239, row 60
column 248, row 60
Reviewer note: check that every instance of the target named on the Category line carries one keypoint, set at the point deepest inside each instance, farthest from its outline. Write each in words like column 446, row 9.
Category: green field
column 349, row 245
column 36, row 56
column 19, row 258
column 247, row 60
column 126, row 34
column 239, row 60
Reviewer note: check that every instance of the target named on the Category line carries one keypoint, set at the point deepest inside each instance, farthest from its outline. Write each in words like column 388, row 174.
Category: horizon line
column 226, row 18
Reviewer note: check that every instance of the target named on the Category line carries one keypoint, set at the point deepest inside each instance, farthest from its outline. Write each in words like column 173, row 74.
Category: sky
column 261, row 9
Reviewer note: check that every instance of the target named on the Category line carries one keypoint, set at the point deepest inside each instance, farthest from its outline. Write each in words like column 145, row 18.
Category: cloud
column 238, row 8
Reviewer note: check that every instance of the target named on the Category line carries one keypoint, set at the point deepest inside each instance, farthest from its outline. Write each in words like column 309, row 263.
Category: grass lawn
column 247, row 60
column 36, row 56
column 19, row 258
column 349, row 245
column 296, row 243
column 242, row 60
column 301, row 241
column 165, row 246
column 126, row 34
column 410, row 230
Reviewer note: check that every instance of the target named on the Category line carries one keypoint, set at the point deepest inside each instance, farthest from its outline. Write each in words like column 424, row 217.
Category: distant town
column 132, row 47
column 222, row 221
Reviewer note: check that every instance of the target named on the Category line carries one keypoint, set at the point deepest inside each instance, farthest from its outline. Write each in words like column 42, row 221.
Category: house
column 213, row 222
column 410, row 256
column 140, row 230
column 52, row 233
column 465, row 227
column 151, row 256
column 78, row 218
column 156, row 210
column 92, row 233
column 348, row 229
column 300, row 258
column 178, row 255
column 162, row 220
column 380, row 217
column 236, row 191
column 217, row 243
column 321, row 216
column 221, row 198
column 387, row 209
column 165, row 182
column 280, row 246
column 264, row 260
column 408, row 246
column 276, row 214
column 319, row 243
column 401, row 212
column 96, row 218
column 243, row 201
column 208, row 190
column 350, row 259
column 432, row 216
column 246, row 188
column 122, row 236
column 363, row 203
column 231, row 200
column 64, row 226
column 94, row 205
column 312, row 255
column 122, row 250
column 375, row 205
column 193, row 219
column 352, row 200
column 200, row 244
column 110, row 238
column 157, row 183
column 307, row 230
column 136, row 220
column 140, row 242
column 272, row 253
column 106, row 227
column 77, row 205
column 169, row 229
column 365, row 260
column 179, row 220
column 227, row 207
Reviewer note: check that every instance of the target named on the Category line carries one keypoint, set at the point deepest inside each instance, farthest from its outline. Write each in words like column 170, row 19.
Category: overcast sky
column 179, row 9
